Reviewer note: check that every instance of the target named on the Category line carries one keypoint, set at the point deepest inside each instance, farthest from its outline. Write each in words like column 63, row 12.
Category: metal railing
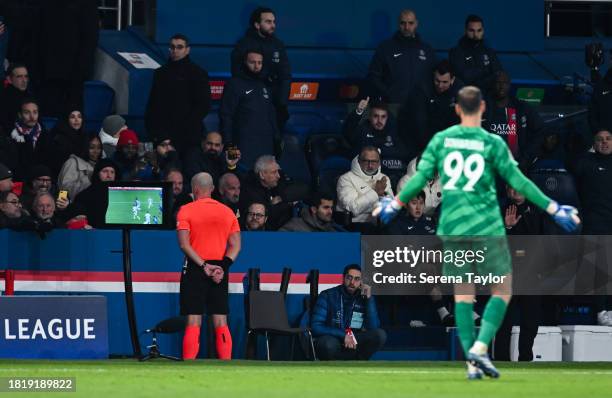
column 118, row 8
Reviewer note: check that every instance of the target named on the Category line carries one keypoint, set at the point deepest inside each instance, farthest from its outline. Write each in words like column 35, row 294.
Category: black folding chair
column 268, row 315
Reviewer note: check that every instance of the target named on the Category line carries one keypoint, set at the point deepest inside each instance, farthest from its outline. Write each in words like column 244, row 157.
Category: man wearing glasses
column 360, row 189
column 179, row 98
column 256, row 218
column 345, row 320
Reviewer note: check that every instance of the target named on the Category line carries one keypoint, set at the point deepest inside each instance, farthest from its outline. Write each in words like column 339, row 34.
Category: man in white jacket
column 360, row 189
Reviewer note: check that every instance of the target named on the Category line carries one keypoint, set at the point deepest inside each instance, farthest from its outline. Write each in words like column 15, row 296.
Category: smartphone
column 232, row 151
column 62, row 195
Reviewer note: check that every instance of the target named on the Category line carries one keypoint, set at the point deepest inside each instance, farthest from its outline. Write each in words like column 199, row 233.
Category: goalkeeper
column 468, row 158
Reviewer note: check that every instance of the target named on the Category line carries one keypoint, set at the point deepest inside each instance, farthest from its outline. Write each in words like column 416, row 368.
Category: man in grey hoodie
column 317, row 217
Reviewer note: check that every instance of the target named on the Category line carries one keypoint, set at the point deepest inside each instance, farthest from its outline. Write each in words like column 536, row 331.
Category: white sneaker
column 604, row 318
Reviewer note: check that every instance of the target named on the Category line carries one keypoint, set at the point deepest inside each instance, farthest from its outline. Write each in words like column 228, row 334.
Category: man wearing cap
column 6, row 179
column 39, row 181
column 112, row 126
column 131, row 166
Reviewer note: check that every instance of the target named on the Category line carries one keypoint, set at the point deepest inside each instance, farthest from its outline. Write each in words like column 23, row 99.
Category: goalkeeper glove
column 387, row 209
column 565, row 216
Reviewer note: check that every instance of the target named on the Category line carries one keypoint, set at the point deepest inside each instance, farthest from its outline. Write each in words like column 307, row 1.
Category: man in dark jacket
column 345, row 320
column 431, row 109
column 247, row 114
column 179, row 98
column 474, row 62
column 378, row 130
column 276, row 72
column 317, row 217
column 413, row 221
column 266, row 186
column 13, row 95
column 402, row 63
column 594, row 177
column 210, row 157
column 600, row 117
column 515, row 121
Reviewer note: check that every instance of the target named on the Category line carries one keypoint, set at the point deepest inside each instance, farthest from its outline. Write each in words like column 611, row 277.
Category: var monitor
column 139, row 205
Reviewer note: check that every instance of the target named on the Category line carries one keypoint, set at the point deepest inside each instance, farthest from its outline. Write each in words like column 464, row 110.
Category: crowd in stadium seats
column 407, row 97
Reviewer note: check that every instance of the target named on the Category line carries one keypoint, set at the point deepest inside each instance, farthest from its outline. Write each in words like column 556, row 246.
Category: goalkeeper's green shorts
column 481, row 255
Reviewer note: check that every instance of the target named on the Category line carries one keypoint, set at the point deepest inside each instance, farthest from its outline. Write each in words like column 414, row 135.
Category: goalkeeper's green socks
column 465, row 324
column 493, row 316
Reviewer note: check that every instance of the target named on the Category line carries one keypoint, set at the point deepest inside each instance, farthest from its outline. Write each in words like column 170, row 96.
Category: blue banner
column 53, row 327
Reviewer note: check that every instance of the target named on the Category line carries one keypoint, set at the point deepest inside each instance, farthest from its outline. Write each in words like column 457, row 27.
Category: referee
column 209, row 235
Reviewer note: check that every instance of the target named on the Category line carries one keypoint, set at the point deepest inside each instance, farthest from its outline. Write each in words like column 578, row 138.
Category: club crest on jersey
column 524, row 121
column 389, row 141
column 276, row 57
column 265, row 93
column 422, row 56
column 485, row 60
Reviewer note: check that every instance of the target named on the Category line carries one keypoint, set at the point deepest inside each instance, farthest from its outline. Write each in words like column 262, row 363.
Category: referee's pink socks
column 191, row 342
column 223, row 342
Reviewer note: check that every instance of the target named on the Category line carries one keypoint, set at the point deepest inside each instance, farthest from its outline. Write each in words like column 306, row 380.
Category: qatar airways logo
column 54, row 329
column 503, row 128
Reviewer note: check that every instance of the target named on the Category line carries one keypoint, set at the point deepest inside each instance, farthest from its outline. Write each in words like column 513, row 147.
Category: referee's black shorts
column 199, row 294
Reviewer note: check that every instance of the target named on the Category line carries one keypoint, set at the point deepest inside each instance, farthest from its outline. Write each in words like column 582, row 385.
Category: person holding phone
column 345, row 320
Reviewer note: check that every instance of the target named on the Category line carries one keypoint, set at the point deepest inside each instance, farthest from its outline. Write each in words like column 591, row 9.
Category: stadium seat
column 48, row 122
column 211, row 121
column 330, row 171
column 293, row 160
column 322, row 146
column 560, row 186
column 268, row 315
column 304, row 124
column 98, row 99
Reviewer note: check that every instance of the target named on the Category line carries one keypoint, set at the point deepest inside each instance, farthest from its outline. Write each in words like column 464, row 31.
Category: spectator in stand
column 401, row 64
column 515, row 121
column 179, row 99
column 179, row 196
column 345, row 320
column 6, row 179
column 600, row 117
column 317, row 217
column 276, row 71
column 431, row 109
column 32, row 142
column 247, row 114
column 432, row 190
column 40, row 181
column 360, row 189
column 68, row 41
column 379, row 130
column 229, row 192
column 68, row 139
column 93, row 201
column 44, row 212
column 12, row 214
column 131, row 166
column 209, row 157
column 256, row 218
column 266, row 186
column 162, row 158
column 112, row 126
column 474, row 62
column 12, row 96
column 76, row 172
column 520, row 218
column 413, row 220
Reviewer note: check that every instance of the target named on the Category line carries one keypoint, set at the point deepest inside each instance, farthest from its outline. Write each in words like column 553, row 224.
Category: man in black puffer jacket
column 276, row 71
column 402, row 63
column 179, row 99
column 247, row 112
column 474, row 62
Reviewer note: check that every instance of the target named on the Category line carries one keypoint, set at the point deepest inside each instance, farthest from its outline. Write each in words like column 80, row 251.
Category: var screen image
column 135, row 205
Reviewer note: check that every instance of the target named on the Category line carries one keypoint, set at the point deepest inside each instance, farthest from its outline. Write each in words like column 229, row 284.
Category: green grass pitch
column 207, row 378
column 121, row 203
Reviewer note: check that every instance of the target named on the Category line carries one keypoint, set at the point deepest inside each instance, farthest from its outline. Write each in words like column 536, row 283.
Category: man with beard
column 247, row 113
column 179, row 98
column 515, row 121
column 474, row 62
column 256, row 218
column 402, row 63
column 275, row 71
column 317, row 217
column 431, row 109
column 379, row 130
column 210, row 158
column 229, row 192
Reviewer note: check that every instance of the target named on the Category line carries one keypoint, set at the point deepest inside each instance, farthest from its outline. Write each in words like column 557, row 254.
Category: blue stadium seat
column 322, row 146
column 48, row 122
column 211, row 121
column 304, row 124
column 293, row 160
column 560, row 186
column 330, row 171
column 98, row 100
